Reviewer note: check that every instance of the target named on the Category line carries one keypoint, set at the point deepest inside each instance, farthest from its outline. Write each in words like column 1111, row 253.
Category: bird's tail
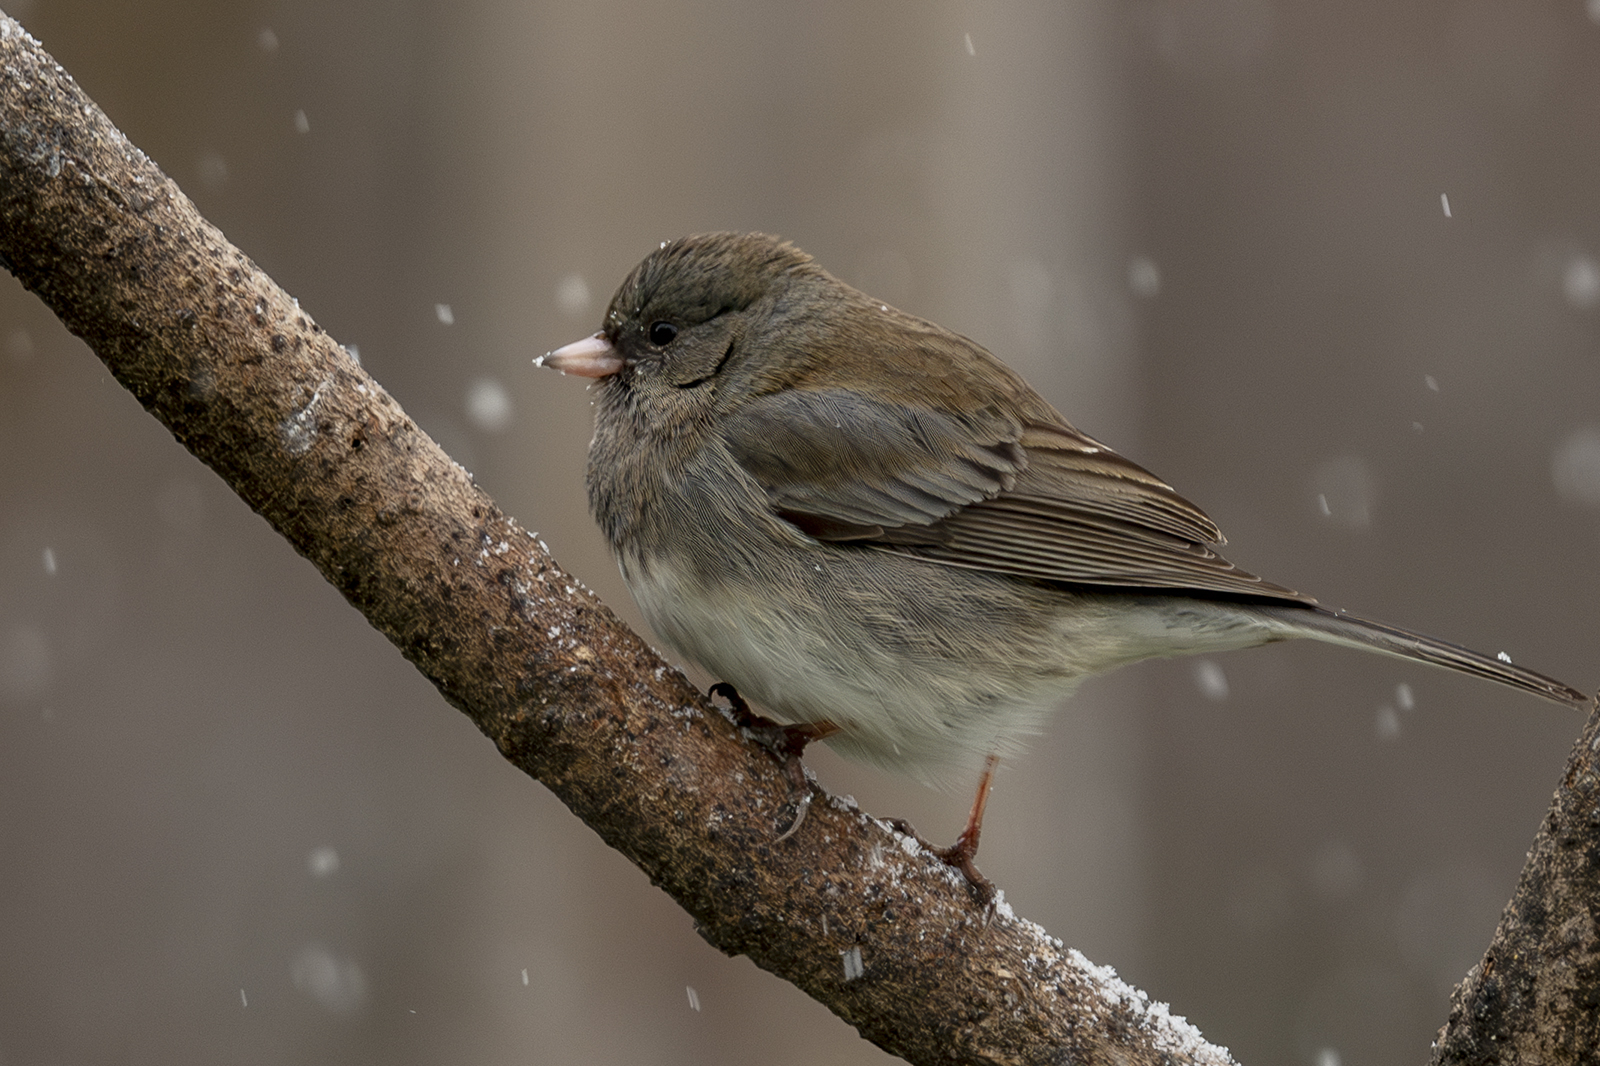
column 1351, row 631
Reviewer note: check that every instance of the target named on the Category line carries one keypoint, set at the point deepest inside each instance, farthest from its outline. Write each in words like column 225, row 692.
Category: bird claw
column 960, row 856
column 962, row 853
column 801, row 806
column 785, row 743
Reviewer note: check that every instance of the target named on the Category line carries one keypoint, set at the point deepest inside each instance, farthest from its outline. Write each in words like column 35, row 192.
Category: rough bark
column 1535, row 996
column 858, row 916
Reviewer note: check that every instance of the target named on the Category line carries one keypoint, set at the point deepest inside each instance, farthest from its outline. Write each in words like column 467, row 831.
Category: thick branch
column 1535, row 997
column 859, row 917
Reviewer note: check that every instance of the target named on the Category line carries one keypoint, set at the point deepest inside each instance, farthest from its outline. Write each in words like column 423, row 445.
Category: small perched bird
column 879, row 533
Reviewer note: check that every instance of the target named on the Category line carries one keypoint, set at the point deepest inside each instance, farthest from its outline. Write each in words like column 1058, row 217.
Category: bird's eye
column 662, row 333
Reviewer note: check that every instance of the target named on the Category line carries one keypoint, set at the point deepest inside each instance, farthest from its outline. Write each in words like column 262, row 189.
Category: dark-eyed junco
column 862, row 519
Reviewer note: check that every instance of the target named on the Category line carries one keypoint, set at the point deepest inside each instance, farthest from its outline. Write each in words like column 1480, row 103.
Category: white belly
column 926, row 669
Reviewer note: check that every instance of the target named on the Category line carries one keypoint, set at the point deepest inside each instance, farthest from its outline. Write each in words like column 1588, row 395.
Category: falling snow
column 489, row 405
column 1210, row 679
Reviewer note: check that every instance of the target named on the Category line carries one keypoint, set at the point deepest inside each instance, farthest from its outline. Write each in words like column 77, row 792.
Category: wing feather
column 1033, row 499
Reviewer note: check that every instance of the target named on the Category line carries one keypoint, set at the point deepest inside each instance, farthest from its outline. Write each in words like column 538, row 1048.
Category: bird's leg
column 785, row 743
column 965, row 849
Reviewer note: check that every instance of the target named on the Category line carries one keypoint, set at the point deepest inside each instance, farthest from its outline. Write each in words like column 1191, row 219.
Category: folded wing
column 979, row 489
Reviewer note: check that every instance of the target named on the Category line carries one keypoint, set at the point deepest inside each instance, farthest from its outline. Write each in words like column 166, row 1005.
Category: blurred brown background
column 236, row 827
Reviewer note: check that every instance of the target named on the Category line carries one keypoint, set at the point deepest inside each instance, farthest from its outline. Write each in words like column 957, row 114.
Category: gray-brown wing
column 980, row 491
column 844, row 466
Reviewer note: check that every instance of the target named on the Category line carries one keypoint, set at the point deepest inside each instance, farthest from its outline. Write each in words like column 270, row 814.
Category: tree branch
column 858, row 916
column 1535, row 996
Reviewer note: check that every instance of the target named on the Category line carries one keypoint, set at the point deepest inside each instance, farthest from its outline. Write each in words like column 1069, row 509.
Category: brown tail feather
column 1347, row 629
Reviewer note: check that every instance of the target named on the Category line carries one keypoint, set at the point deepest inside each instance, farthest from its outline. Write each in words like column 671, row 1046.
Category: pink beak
column 592, row 357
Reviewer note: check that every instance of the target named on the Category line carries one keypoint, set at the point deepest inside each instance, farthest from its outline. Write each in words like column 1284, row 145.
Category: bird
column 879, row 533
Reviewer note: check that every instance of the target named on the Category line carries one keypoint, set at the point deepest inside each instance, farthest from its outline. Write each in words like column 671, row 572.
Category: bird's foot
column 785, row 743
column 962, row 853
column 959, row 855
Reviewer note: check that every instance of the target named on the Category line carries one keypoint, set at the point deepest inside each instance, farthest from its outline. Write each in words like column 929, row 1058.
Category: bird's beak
column 592, row 357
